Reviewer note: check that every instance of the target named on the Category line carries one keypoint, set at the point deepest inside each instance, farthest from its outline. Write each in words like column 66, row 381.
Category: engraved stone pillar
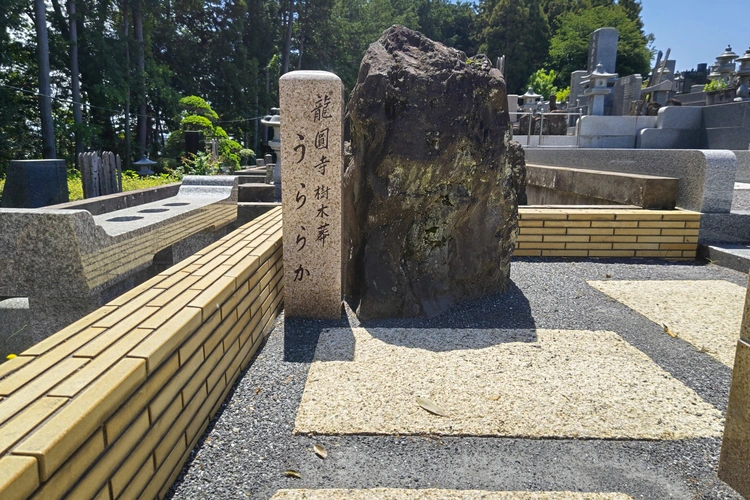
column 312, row 162
column 734, row 462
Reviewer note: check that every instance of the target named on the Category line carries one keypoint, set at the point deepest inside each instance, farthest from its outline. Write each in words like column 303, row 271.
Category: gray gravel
column 250, row 442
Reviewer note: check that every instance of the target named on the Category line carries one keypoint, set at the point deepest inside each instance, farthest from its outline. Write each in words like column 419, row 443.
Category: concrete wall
column 612, row 131
column 676, row 127
column 111, row 406
column 726, row 126
column 706, row 177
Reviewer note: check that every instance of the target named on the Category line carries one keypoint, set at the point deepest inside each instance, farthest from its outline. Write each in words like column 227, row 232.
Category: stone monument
column 625, row 91
column 312, row 160
column 431, row 188
column 603, row 49
column 35, row 183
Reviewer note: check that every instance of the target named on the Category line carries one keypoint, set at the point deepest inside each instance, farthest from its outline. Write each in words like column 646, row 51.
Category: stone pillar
column 734, row 462
column 312, row 161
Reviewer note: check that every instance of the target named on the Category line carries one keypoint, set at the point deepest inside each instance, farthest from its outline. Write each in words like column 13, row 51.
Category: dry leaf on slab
column 431, row 407
column 669, row 332
column 320, row 451
column 292, row 473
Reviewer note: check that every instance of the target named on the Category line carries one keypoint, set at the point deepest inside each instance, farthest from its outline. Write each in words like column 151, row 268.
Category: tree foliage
column 138, row 59
column 543, row 82
column 517, row 29
column 569, row 46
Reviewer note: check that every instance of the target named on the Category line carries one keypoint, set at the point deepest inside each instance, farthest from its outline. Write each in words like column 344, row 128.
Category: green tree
column 543, row 82
column 569, row 46
column 519, row 30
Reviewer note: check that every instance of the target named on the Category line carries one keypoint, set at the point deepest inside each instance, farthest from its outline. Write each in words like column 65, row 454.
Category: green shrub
column 247, row 156
column 194, row 105
column 715, row 85
column 195, row 122
column 543, row 82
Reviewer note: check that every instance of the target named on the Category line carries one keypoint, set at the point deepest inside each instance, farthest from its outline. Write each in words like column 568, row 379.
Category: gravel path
column 250, row 443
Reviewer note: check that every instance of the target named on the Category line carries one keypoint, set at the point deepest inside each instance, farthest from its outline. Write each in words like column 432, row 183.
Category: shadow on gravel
column 474, row 324
column 301, row 337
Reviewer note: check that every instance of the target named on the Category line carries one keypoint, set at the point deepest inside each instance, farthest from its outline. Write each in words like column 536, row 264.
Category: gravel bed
column 250, row 442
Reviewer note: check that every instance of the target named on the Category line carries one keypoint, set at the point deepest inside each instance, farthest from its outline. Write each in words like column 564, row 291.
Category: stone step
column 735, row 257
column 255, row 192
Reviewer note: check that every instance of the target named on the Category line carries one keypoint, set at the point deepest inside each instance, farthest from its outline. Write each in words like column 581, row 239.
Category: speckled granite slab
column 706, row 313
column 554, row 384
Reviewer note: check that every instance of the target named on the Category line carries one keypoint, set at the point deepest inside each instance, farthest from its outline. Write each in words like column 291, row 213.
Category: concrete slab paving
column 706, row 313
column 435, row 494
column 547, row 384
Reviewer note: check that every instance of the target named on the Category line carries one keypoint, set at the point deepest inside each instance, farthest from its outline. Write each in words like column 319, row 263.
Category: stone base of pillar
column 734, row 463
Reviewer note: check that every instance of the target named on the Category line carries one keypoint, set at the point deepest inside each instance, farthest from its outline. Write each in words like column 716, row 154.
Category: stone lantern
column 530, row 99
column 597, row 81
column 744, row 75
column 274, row 121
column 144, row 166
column 725, row 64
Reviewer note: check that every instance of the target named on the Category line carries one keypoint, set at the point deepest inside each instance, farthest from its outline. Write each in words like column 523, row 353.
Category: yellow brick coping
column 606, row 231
column 113, row 403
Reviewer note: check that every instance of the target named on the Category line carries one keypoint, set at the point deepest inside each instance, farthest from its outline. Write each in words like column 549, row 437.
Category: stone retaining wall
column 606, row 232
column 706, row 176
column 111, row 406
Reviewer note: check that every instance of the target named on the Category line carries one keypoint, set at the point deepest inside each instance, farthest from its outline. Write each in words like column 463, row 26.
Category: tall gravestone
column 312, row 162
column 603, row 49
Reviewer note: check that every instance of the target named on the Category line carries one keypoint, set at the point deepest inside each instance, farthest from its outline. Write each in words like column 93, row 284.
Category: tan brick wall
column 606, row 232
column 111, row 406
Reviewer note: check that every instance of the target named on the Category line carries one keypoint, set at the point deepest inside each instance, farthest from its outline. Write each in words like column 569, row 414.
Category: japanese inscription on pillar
column 312, row 171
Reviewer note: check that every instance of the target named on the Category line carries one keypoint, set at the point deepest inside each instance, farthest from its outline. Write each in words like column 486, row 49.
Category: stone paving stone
column 706, row 313
column 404, row 494
column 488, row 382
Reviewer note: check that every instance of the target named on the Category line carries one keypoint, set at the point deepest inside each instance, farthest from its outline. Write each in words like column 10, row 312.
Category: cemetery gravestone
column 603, row 49
column 626, row 90
column 35, row 183
column 312, row 162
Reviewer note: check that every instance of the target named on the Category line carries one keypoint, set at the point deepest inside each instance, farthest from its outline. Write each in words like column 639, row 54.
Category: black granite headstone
column 35, row 183
column 194, row 142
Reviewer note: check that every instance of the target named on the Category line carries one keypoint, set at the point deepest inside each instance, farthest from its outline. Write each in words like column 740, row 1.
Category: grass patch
column 130, row 182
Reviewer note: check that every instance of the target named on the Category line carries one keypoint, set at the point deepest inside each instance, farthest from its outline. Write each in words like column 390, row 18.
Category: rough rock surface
column 431, row 189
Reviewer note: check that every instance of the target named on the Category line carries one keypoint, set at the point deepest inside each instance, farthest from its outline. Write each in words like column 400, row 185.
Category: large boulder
column 432, row 186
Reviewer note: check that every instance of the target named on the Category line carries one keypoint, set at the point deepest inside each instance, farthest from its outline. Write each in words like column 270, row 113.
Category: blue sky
column 697, row 30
